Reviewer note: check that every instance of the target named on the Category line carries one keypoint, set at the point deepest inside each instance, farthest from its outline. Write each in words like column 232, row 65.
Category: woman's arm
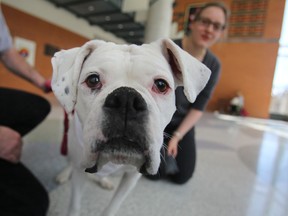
column 188, row 122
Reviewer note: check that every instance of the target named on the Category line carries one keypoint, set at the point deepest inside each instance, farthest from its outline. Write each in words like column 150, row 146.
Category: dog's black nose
column 125, row 116
column 125, row 100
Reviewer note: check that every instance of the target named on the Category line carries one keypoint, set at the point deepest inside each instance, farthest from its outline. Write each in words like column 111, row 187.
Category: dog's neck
column 78, row 129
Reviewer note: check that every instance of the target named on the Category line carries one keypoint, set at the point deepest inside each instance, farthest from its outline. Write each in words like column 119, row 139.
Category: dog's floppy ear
column 67, row 65
column 188, row 71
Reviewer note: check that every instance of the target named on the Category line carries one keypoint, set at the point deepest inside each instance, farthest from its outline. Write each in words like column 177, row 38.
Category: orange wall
column 32, row 28
column 248, row 67
column 247, row 64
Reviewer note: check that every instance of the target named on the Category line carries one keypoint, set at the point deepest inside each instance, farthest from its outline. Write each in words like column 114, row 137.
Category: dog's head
column 124, row 97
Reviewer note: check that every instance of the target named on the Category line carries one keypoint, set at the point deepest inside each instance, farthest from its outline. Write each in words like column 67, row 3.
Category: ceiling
column 124, row 18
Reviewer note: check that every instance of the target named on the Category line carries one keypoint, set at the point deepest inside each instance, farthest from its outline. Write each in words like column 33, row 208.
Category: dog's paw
column 64, row 175
column 104, row 182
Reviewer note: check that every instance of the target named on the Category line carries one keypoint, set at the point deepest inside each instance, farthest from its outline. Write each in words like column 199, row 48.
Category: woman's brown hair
column 214, row 4
column 199, row 11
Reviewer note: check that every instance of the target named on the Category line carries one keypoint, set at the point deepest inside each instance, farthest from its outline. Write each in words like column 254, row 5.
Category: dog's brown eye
column 160, row 86
column 93, row 81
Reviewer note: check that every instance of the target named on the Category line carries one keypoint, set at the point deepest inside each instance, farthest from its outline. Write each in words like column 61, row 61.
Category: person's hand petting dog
column 10, row 144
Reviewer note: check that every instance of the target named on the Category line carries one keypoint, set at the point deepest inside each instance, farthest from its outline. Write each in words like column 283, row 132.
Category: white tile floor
column 242, row 170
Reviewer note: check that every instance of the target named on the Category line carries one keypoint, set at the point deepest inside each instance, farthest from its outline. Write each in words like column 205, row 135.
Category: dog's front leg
column 77, row 183
column 127, row 183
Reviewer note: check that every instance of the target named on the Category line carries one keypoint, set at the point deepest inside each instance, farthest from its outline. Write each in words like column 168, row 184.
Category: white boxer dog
column 122, row 97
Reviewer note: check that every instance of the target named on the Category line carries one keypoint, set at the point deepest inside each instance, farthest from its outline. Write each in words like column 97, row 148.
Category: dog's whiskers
column 167, row 135
column 162, row 157
column 165, row 146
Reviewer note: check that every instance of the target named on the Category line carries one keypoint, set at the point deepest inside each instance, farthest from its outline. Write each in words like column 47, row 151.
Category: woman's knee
column 181, row 178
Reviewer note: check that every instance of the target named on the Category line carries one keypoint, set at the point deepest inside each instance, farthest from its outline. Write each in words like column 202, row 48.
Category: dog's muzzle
column 124, row 125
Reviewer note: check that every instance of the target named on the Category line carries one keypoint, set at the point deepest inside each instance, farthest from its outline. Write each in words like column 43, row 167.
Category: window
column 280, row 82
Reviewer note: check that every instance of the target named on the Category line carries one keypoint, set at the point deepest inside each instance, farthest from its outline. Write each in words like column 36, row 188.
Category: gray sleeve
column 5, row 37
column 212, row 62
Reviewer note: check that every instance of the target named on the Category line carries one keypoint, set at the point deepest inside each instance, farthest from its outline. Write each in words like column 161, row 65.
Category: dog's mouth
column 121, row 150
column 124, row 128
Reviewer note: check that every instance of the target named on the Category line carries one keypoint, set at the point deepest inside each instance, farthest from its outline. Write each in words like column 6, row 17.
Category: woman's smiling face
column 208, row 27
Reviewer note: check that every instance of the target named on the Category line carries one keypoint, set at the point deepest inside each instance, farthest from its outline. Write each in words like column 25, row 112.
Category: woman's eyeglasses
column 207, row 22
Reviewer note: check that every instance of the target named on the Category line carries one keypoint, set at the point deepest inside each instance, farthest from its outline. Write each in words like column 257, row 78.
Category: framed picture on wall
column 190, row 14
column 26, row 48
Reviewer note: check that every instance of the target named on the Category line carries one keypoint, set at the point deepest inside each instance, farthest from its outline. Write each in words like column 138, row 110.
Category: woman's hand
column 10, row 144
column 172, row 149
